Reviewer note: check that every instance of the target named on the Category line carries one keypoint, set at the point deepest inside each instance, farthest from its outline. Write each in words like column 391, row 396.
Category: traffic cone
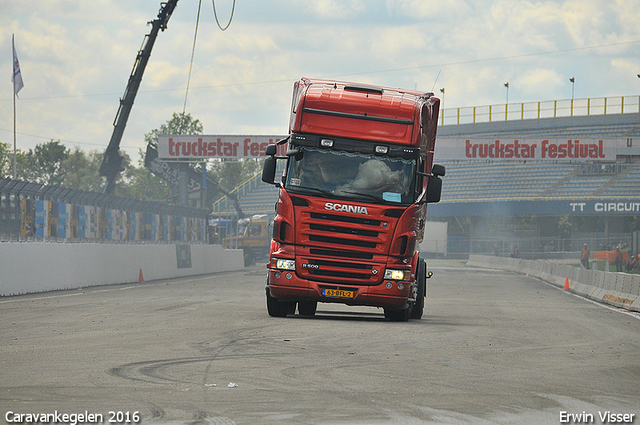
column 140, row 278
column 566, row 283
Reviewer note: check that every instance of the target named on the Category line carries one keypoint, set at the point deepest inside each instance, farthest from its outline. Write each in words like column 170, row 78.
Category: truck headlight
column 395, row 274
column 283, row 264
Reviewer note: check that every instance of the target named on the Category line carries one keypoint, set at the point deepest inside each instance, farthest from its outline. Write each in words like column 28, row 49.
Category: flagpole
column 15, row 168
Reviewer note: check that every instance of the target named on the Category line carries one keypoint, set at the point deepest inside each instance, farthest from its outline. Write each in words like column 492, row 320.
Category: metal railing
column 537, row 247
column 242, row 189
column 35, row 212
column 542, row 109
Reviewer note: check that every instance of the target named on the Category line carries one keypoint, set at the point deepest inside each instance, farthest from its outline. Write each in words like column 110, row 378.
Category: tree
column 6, row 160
column 140, row 183
column 181, row 123
column 44, row 163
column 144, row 184
column 82, row 171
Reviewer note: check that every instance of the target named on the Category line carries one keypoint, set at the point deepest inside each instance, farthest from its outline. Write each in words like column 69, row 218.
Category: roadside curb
column 621, row 290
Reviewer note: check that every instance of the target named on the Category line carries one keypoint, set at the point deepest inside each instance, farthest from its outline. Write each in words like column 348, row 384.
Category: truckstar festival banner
column 527, row 149
column 193, row 147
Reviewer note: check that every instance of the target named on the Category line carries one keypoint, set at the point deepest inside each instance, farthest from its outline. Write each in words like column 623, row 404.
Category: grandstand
column 484, row 180
column 525, row 187
column 475, row 180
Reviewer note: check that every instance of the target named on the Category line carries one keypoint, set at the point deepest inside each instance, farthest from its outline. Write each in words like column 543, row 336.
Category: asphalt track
column 492, row 348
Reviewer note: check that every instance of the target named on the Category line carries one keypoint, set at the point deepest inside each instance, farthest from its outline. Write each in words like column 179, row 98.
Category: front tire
column 421, row 281
column 398, row 315
column 307, row 308
column 277, row 308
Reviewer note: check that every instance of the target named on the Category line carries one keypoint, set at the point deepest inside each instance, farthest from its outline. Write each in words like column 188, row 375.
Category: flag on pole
column 16, row 77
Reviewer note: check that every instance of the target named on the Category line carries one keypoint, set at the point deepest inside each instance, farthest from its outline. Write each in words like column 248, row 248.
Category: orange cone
column 566, row 283
column 141, row 279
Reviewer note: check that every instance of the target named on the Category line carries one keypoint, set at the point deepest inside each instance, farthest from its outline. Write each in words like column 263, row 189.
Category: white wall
column 619, row 289
column 34, row 267
column 435, row 238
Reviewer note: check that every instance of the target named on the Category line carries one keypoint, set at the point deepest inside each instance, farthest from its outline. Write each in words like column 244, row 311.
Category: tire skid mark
column 153, row 371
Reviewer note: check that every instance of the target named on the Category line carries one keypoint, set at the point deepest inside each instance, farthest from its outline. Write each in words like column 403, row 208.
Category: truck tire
column 307, row 308
column 277, row 308
column 421, row 281
column 398, row 315
column 249, row 257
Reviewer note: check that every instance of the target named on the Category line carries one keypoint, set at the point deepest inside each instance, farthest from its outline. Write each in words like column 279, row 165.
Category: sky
column 76, row 57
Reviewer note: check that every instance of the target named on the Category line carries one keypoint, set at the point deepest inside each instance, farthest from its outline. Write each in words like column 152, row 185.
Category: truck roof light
column 382, row 149
column 326, row 143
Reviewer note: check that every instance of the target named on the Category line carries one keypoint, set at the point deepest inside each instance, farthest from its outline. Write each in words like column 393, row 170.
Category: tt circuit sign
column 528, row 149
column 598, row 207
column 587, row 207
column 199, row 147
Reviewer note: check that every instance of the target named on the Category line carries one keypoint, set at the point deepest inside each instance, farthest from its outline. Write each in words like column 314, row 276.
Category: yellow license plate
column 337, row 293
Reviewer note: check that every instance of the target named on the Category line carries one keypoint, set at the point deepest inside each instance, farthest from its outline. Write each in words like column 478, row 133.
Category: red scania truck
column 352, row 204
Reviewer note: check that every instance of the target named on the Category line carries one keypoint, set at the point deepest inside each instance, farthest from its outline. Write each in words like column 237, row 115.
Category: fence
column 537, row 247
column 35, row 212
column 543, row 109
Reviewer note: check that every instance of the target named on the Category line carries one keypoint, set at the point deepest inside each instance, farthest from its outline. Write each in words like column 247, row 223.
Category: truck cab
column 353, row 199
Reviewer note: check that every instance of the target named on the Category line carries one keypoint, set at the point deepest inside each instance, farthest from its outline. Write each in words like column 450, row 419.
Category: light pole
column 442, row 103
column 506, row 103
column 573, row 84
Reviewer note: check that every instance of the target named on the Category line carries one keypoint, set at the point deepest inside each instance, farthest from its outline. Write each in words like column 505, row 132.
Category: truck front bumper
column 287, row 286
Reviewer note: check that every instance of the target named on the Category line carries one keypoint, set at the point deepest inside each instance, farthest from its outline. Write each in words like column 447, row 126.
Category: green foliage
column 52, row 163
column 231, row 174
column 181, row 123
column 82, row 171
column 6, row 160
column 49, row 158
column 139, row 183
column 43, row 164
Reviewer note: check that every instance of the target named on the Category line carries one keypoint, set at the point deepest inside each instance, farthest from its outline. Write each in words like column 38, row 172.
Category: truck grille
column 342, row 249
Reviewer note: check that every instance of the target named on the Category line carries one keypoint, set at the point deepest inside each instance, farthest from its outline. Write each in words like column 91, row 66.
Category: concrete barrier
column 618, row 289
column 35, row 267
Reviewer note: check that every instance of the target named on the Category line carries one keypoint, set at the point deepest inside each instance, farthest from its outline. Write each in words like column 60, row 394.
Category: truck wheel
column 421, row 281
column 276, row 308
column 249, row 257
column 397, row 315
column 307, row 308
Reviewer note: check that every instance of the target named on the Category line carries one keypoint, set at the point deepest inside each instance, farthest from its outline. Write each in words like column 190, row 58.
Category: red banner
column 185, row 147
column 527, row 149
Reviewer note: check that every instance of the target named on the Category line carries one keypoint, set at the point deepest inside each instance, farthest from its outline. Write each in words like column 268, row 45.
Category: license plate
column 337, row 293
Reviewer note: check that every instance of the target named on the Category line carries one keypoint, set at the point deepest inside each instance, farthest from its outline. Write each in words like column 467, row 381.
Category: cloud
column 334, row 9
column 428, row 9
column 539, row 80
column 76, row 57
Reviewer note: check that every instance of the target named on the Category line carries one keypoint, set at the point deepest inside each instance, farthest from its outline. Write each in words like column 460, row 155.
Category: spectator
column 634, row 263
column 618, row 259
column 584, row 257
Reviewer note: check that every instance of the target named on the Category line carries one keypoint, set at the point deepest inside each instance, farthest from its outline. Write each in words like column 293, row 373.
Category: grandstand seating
column 468, row 181
column 485, row 180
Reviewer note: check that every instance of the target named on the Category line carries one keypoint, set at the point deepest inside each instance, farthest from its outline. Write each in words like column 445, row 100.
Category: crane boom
column 112, row 160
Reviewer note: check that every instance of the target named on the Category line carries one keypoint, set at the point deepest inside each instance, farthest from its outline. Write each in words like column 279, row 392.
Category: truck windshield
column 350, row 175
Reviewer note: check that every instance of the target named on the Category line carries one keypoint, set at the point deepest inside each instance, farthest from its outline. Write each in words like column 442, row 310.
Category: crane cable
column 195, row 36
column 193, row 52
column 233, row 8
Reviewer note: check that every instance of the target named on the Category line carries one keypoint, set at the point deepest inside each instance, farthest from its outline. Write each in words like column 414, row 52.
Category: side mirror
column 269, row 169
column 271, row 150
column 438, row 170
column 434, row 189
column 434, row 184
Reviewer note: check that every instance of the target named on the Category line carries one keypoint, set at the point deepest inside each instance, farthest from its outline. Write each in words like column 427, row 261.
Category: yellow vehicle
column 253, row 236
